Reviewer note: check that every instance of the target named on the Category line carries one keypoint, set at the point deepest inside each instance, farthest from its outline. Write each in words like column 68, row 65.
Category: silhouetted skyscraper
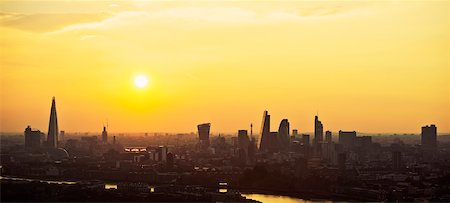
column 318, row 131
column 283, row 135
column 104, row 135
column 243, row 140
column 347, row 139
column 203, row 134
column 52, row 136
column 264, row 142
column 328, row 137
column 32, row 138
column 429, row 137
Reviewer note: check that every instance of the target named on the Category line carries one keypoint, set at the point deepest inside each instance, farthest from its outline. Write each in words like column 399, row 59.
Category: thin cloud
column 194, row 17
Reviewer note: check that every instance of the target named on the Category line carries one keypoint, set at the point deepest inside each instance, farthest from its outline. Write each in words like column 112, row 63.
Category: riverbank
column 307, row 195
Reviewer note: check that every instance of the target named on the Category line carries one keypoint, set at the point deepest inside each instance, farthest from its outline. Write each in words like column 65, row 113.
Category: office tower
column 52, row 136
column 243, row 140
column 203, row 134
column 429, row 137
column 264, row 142
column 295, row 132
column 170, row 160
column 318, row 131
column 32, row 138
column 252, row 147
column 251, row 130
column 305, row 139
column 162, row 153
column 328, row 137
column 347, row 139
column 396, row 160
column 104, row 135
column 283, row 135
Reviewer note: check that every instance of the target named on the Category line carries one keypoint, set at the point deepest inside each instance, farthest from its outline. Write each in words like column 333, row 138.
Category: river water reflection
column 43, row 181
column 275, row 198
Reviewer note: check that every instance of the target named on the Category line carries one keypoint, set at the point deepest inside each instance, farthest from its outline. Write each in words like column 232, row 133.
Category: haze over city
column 160, row 66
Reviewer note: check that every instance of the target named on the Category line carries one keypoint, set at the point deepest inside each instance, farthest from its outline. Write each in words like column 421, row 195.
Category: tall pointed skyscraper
column 52, row 136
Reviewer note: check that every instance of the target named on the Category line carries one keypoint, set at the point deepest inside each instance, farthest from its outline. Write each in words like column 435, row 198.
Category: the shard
column 52, row 136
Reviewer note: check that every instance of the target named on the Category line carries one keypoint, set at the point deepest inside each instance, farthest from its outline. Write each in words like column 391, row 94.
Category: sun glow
column 141, row 81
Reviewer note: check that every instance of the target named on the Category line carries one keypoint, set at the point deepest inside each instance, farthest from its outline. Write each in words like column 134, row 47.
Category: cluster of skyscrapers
column 274, row 141
column 327, row 149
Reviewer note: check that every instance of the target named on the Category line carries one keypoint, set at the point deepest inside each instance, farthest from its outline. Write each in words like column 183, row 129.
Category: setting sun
column 141, row 81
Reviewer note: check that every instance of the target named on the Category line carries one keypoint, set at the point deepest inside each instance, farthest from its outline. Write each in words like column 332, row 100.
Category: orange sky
column 363, row 65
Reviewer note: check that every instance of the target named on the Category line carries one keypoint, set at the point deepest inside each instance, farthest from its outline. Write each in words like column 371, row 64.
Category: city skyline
column 121, row 62
column 318, row 134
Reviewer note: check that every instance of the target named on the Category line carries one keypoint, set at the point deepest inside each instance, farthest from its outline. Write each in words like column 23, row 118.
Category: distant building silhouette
column 429, row 137
column 328, row 137
column 347, row 139
column 162, row 153
column 305, row 139
column 170, row 160
column 318, row 131
column 295, row 132
column 243, row 146
column 243, row 139
column 264, row 144
column 52, row 136
column 104, row 135
column 283, row 135
column 203, row 134
column 32, row 138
